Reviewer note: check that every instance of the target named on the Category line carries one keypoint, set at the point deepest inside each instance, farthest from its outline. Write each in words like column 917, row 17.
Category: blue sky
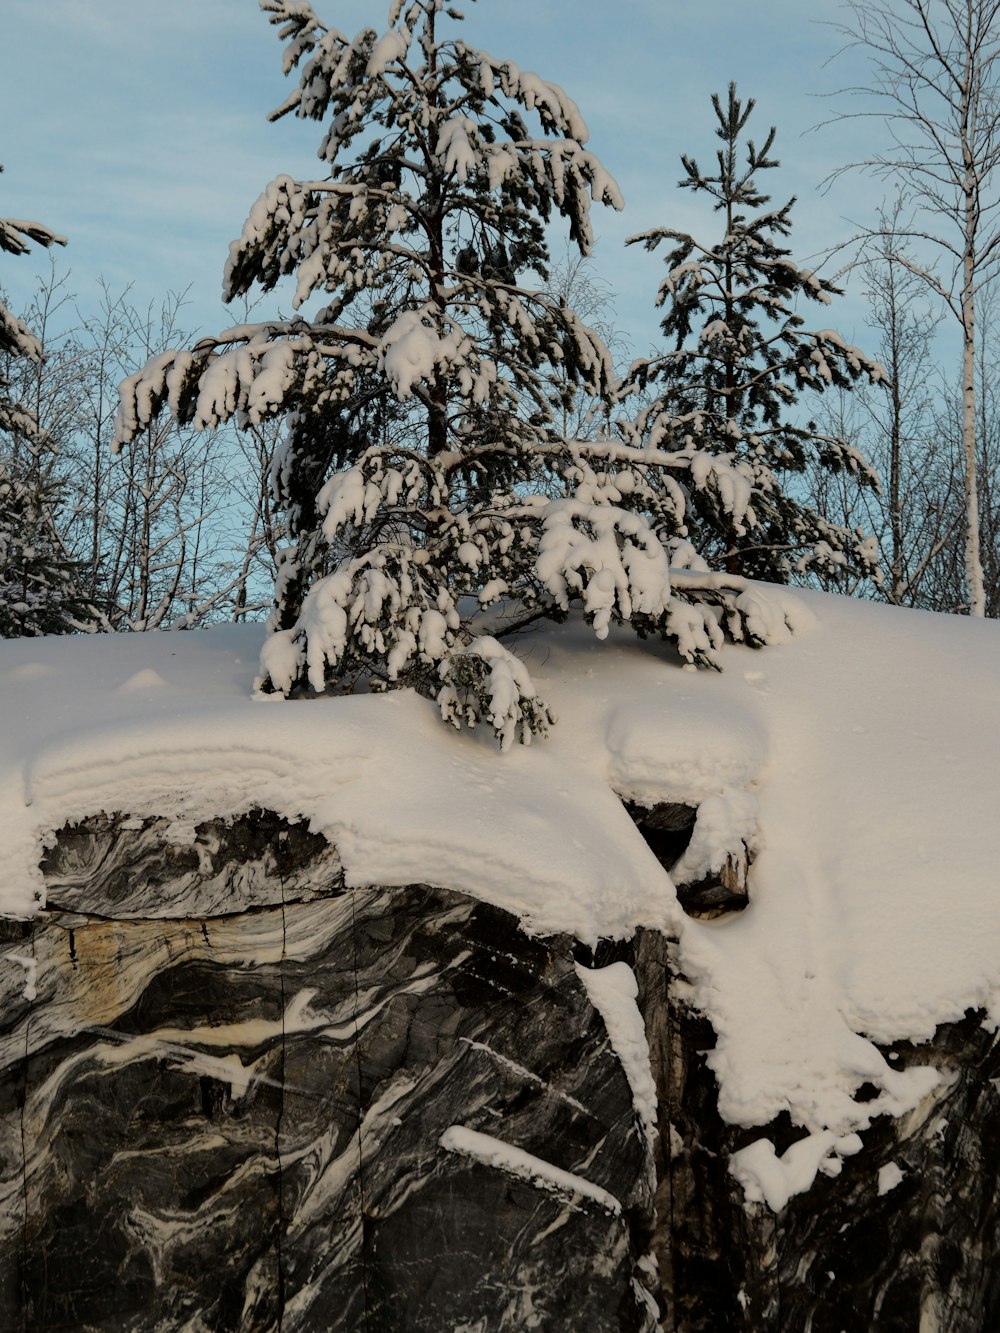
column 138, row 129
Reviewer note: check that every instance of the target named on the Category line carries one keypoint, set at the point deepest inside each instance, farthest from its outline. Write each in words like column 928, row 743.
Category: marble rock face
column 236, row 1095
column 906, row 1239
column 225, row 1084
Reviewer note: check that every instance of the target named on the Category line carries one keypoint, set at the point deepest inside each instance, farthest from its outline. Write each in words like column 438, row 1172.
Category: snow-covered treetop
column 304, row 34
column 435, row 204
column 744, row 285
column 726, row 392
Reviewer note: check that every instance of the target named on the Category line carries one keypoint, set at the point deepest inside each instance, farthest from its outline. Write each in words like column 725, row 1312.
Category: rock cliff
column 226, row 1084
column 237, row 1095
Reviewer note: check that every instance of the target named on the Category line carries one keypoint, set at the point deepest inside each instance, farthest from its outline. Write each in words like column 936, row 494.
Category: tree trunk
column 973, row 562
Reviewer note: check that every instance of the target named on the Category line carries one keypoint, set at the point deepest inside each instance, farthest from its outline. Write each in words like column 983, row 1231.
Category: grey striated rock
column 114, row 866
column 225, row 1079
column 921, row 1257
column 222, row 1119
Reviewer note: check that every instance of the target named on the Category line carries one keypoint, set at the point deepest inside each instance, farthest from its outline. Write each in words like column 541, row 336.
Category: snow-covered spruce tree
column 432, row 501
column 723, row 407
column 39, row 584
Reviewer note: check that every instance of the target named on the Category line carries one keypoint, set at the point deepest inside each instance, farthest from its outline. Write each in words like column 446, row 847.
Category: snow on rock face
column 505, row 1157
column 860, row 757
column 613, row 991
column 725, row 820
column 889, row 1176
column 767, row 1178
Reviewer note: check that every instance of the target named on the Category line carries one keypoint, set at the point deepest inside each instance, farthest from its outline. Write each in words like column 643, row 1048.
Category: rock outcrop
column 226, row 1082
column 905, row 1238
column 237, row 1095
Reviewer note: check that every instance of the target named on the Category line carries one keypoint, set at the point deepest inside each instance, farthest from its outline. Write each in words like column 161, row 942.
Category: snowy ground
column 861, row 758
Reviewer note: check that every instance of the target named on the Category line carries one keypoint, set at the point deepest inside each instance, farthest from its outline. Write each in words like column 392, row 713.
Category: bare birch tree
column 40, row 590
column 904, row 428
column 178, row 529
column 575, row 283
column 935, row 73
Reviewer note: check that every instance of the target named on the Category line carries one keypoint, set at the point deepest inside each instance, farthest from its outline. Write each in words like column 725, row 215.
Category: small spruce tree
column 39, row 584
column 723, row 406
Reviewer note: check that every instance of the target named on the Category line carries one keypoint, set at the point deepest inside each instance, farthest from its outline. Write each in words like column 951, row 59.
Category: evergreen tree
column 39, row 591
column 723, row 404
column 433, row 503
